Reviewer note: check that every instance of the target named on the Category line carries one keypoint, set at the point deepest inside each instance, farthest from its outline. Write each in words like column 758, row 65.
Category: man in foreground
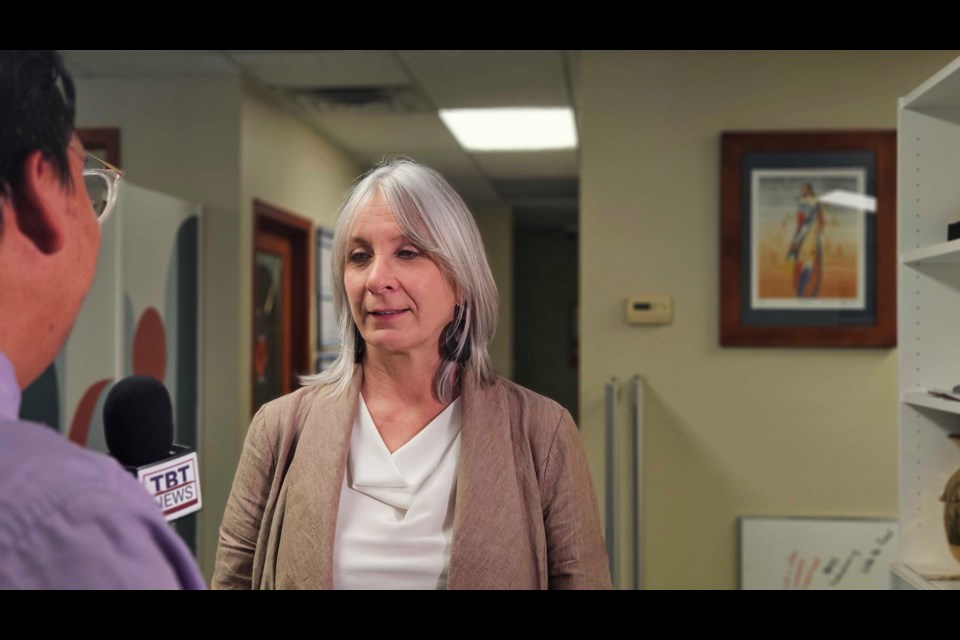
column 69, row 518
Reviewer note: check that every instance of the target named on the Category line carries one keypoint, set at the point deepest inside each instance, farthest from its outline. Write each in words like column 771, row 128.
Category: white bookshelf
column 928, row 160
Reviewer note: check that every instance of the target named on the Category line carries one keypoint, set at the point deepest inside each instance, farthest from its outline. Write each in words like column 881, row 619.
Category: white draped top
column 395, row 520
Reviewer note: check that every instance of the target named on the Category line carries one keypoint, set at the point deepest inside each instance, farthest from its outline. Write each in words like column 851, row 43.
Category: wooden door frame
column 299, row 230
column 106, row 138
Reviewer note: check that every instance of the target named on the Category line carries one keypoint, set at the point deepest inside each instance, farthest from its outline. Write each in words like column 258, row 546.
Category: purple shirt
column 71, row 518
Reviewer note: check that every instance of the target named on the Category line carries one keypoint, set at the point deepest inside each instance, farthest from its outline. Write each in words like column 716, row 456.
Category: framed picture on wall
column 808, row 239
column 328, row 334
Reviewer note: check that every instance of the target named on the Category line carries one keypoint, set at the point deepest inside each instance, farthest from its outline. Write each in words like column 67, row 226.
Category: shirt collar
column 9, row 390
column 397, row 478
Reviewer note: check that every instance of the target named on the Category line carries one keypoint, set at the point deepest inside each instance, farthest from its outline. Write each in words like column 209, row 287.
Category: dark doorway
column 546, row 290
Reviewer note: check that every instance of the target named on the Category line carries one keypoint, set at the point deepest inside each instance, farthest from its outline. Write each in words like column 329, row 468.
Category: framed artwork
column 808, row 239
column 328, row 334
column 271, row 311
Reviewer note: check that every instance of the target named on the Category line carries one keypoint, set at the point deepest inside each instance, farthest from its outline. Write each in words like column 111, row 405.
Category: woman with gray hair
column 409, row 464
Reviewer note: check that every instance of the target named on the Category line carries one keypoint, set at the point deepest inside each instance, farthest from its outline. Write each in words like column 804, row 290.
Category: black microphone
column 138, row 427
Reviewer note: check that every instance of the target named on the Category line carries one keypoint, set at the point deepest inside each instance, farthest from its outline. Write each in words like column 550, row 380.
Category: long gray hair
column 436, row 220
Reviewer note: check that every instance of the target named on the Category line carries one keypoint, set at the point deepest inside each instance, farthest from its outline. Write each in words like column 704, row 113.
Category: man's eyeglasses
column 102, row 181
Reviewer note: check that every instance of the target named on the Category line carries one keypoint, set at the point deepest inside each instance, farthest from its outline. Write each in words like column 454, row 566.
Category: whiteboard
column 817, row 553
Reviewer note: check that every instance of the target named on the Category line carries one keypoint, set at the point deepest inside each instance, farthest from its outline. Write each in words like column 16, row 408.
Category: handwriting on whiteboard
column 803, row 572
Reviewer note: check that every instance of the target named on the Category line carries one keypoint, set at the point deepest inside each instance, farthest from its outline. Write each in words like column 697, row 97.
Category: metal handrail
column 613, row 555
column 636, row 472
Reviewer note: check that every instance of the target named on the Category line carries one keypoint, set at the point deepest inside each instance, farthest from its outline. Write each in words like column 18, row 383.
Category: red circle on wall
column 150, row 346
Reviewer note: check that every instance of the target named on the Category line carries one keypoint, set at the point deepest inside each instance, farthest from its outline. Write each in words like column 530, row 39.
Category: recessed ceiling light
column 512, row 129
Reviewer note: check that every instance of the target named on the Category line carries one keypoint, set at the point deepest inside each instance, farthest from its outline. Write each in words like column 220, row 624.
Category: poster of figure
column 268, row 325
column 807, row 252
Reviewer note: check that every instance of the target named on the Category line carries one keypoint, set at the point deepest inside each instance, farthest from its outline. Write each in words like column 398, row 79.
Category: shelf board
column 916, row 577
column 924, row 399
column 943, row 253
column 941, row 90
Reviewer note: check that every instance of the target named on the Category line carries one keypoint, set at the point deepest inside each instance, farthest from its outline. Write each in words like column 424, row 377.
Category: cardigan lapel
column 490, row 545
column 316, row 478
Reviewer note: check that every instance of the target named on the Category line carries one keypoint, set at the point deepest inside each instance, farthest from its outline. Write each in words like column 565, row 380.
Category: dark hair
column 37, row 112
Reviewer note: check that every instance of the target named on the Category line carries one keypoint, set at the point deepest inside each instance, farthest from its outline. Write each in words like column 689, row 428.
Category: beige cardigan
column 525, row 514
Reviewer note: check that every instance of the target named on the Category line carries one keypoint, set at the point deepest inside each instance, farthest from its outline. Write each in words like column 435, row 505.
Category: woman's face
column 399, row 299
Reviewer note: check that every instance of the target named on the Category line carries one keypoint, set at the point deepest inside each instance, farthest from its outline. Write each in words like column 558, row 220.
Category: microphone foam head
column 138, row 421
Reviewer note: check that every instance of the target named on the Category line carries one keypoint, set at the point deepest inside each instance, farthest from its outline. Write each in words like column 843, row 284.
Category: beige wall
column 180, row 136
column 730, row 432
column 288, row 164
column 496, row 226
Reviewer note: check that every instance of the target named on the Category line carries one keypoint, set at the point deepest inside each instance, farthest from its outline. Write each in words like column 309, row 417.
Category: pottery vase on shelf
column 951, row 508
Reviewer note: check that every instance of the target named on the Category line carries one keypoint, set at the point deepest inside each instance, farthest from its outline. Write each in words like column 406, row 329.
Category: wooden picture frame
column 808, row 239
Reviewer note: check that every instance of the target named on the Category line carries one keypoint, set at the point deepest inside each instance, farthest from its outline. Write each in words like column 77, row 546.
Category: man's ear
column 41, row 206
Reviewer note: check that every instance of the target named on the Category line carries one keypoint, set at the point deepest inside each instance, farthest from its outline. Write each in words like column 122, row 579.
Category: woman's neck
column 398, row 392
column 403, row 377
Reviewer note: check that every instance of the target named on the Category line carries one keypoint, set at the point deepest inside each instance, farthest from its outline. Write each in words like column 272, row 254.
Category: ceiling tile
column 148, row 63
column 462, row 79
column 377, row 134
column 303, row 69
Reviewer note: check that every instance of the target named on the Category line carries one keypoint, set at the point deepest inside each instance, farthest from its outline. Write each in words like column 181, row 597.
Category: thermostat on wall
column 655, row 309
